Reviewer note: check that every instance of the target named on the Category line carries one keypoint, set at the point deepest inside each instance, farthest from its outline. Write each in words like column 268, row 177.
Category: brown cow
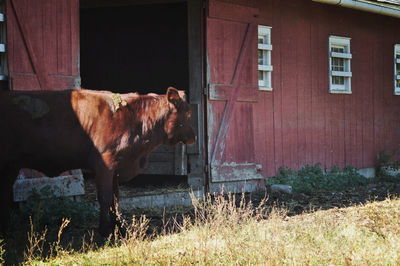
column 110, row 134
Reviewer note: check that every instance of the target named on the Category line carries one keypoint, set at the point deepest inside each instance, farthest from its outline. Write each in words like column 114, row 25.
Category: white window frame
column 3, row 55
column 396, row 69
column 265, row 69
column 346, row 56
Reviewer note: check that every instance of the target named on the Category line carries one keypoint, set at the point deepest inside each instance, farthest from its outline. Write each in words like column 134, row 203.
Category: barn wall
column 300, row 122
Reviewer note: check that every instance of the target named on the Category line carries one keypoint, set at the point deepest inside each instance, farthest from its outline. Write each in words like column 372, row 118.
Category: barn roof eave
column 382, row 7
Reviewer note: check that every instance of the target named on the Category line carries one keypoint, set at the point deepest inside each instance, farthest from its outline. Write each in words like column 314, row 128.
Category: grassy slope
column 221, row 233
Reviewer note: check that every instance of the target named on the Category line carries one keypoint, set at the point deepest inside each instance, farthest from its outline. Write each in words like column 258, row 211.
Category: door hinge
column 205, row 90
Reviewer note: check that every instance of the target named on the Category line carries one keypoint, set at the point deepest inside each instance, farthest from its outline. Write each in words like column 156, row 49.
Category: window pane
column 263, row 39
column 337, row 49
column 337, row 80
column 261, row 79
column 337, row 64
column 397, row 73
column 260, row 57
column 264, row 58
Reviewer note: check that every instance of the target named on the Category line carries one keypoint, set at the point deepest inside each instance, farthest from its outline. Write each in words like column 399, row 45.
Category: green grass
column 223, row 232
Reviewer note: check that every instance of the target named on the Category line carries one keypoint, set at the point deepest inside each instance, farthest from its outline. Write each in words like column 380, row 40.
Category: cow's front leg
column 104, row 183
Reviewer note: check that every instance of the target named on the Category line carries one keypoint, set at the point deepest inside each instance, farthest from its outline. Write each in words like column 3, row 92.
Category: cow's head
column 177, row 126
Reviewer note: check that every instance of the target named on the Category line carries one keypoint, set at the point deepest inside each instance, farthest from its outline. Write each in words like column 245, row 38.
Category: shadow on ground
column 16, row 240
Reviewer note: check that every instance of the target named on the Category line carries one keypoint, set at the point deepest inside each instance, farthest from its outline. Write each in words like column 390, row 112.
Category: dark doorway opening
column 137, row 48
column 140, row 48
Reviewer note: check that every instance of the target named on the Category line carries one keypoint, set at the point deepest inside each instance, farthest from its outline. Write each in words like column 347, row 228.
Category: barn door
column 43, row 48
column 43, row 44
column 232, row 91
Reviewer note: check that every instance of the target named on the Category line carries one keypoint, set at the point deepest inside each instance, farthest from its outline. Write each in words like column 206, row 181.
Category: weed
column 311, row 178
column 36, row 241
column 55, row 248
column 2, row 252
column 38, row 248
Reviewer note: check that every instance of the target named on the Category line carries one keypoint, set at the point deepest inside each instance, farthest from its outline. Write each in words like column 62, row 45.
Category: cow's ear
column 173, row 95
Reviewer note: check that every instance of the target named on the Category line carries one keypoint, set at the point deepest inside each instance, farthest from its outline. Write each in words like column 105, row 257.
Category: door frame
column 195, row 153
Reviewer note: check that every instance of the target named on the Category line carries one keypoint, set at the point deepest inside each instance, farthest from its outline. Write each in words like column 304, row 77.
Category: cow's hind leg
column 8, row 176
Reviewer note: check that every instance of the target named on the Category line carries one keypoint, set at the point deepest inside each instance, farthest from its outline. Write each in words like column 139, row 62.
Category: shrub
column 384, row 161
column 311, row 178
column 53, row 210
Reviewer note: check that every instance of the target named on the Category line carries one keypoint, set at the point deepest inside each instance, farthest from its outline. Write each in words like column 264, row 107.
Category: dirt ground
column 298, row 203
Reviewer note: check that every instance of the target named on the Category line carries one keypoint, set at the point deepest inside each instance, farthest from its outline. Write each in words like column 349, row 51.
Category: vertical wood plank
column 268, row 122
column 35, row 25
column 74, row 37
column 358, row 92
column 289, row 90
column 319, row 89
column 303, row 86
column 338, row 130
column 368, row 157
column 377, row 62
column 64, row 37
column 49, row 32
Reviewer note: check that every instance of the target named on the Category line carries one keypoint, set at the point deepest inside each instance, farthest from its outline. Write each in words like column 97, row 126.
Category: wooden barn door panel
column 167, row 160
column 233, row 89
column 43, row 44
column 43, row 49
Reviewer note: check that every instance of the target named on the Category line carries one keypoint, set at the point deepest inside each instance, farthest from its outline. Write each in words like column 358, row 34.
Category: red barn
column 323, row 90
column 272, row 82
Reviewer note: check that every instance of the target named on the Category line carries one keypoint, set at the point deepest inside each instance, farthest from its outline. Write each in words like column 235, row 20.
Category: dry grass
column 224, row 232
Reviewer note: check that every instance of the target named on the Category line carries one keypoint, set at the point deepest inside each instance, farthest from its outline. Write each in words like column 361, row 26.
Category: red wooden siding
column 43, row 44
column 300, row 122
